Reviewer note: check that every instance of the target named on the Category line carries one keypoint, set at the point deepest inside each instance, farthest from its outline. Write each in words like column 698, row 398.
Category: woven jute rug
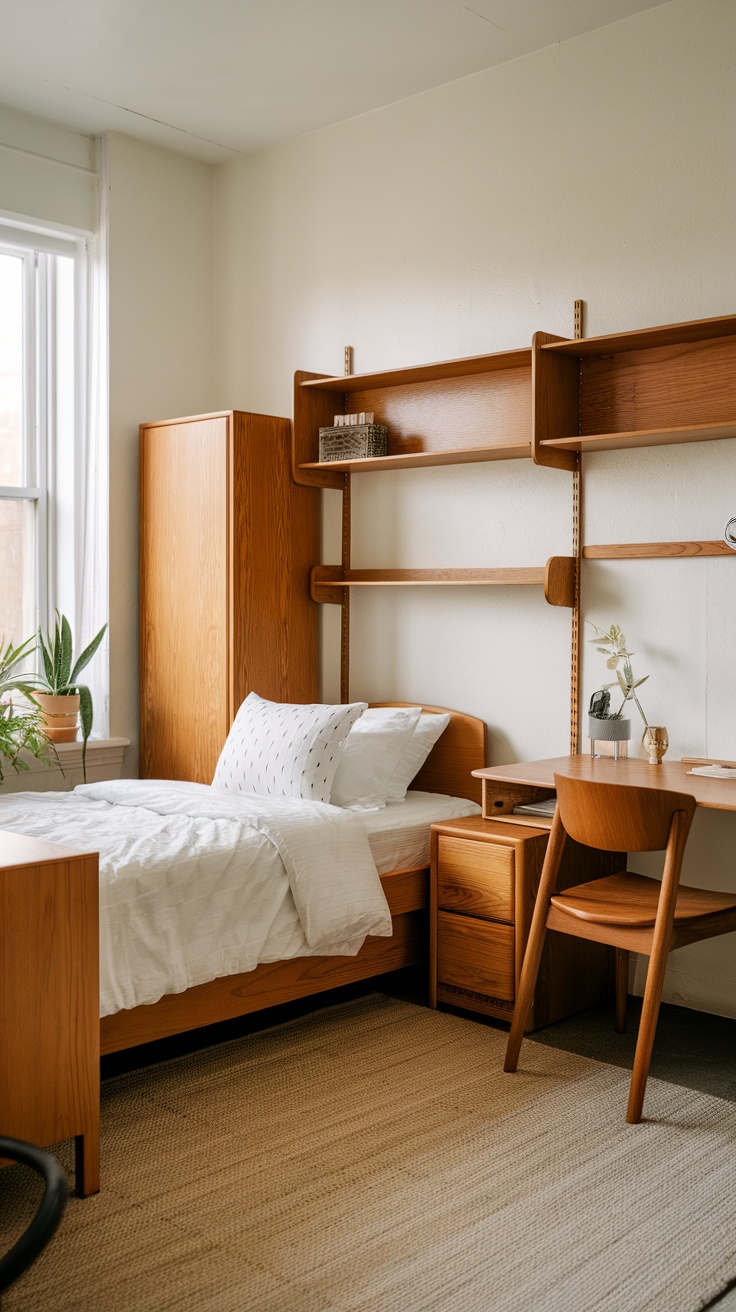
column 373, row 1157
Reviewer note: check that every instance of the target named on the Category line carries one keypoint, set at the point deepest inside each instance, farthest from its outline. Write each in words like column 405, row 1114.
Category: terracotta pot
column 59, row 716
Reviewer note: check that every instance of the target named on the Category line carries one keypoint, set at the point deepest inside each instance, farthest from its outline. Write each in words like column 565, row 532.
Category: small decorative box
column 353, row 441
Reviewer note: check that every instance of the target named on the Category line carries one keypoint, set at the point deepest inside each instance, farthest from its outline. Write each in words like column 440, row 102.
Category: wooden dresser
column 227, row 540
column 484, row 878
column 50, row 999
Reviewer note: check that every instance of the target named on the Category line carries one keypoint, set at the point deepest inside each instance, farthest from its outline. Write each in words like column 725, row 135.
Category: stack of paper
column 715, row 771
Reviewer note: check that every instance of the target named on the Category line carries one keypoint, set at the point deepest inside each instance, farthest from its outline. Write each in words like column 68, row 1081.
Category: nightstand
column 49, row 999
column 483, row 880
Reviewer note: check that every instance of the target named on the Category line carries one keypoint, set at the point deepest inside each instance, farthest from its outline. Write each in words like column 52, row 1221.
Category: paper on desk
column 715, row 771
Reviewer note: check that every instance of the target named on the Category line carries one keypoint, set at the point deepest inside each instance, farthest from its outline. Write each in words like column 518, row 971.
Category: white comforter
column 196, row 883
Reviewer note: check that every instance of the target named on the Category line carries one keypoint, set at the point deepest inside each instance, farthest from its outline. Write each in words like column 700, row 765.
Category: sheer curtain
column 92, row 603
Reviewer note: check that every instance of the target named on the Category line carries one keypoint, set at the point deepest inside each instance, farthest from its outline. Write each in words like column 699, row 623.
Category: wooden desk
column 505, row 786
column 49, row 999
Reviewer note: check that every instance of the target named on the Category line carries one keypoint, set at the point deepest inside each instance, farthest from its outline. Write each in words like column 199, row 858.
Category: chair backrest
column 619, row 817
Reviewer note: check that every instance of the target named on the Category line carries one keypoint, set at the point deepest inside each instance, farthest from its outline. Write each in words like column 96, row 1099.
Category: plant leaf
column 65, row 664
column 87, row 654
column 85, row 715
column 56, row 654
column 46, row 657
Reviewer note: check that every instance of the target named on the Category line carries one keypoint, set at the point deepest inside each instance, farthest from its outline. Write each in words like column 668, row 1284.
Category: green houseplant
column 603, row 724
column 60, row 695
column 611, row 643
column 21, row 726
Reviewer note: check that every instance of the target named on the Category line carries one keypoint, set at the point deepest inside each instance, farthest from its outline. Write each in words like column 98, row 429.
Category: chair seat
column 630, row 899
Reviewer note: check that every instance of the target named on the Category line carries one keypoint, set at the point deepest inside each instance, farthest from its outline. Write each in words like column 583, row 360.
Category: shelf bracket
column 320, row 579
column 560, row 581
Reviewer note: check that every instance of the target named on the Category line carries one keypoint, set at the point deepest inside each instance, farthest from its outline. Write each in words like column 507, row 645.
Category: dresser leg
column 87, row 1163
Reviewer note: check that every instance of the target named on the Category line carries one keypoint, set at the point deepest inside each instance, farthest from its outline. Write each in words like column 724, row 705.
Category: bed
column 398, row 834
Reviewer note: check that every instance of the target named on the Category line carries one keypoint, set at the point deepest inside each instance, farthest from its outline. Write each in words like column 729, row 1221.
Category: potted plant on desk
column 62, row 697
column 602, row 725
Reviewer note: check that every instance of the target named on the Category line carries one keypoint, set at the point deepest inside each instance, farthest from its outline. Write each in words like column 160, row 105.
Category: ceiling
column 220, row 78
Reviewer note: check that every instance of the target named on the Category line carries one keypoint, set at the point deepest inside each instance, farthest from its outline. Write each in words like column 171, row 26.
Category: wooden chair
column 628, row 911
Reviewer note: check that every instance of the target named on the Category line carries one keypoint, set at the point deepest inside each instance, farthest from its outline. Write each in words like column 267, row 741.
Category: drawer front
column 475, row 878
column 476, row 955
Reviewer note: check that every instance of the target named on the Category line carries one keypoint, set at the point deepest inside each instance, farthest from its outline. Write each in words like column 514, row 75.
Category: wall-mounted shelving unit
column 565, row 396
column 651, row 387
column 449, row 413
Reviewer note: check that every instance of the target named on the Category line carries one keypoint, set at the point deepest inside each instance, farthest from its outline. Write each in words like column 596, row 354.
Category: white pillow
column 374, row 747
column 285, row 750
column 430, row 727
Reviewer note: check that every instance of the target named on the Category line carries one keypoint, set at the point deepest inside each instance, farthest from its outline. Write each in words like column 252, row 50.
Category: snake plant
column 61, row 678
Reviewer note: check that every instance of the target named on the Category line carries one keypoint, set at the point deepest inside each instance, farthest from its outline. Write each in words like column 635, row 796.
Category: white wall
column 46, row 172
column 160, row 298
column 458, row 222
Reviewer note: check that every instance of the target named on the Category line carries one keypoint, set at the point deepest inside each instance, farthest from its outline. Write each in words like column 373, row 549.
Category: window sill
column 104, row 761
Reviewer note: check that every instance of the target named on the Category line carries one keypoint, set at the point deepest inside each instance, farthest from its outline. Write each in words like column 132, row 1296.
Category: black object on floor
column 48, row 1214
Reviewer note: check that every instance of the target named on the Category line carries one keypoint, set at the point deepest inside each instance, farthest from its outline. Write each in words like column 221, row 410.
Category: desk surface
column 718, row 794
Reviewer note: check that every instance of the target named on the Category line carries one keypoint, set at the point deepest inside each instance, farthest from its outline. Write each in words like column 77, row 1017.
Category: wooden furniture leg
column 657, row 966
column 535, row 944
column 622, row 988
column 87, row 1162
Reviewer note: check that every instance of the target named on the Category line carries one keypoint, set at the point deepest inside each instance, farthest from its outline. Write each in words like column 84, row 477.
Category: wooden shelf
column 652, row 387
column 643, row 437
column 667, row 334
column 330, row 583
column 428, row 459
column 656, row 550
column 451, row 412
column 424, row 373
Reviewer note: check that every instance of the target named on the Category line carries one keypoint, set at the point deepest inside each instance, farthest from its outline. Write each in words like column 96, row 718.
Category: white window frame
column 57, row 564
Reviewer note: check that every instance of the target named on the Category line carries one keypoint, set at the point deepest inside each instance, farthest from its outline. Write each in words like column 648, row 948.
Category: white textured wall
column 458, row 222
column 160, row 260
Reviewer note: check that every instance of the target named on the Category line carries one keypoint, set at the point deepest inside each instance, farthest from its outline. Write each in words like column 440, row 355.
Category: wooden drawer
column 475, row 954
column 475, row 878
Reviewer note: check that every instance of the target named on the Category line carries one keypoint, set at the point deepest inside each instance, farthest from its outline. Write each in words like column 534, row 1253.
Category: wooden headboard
column 461, row 748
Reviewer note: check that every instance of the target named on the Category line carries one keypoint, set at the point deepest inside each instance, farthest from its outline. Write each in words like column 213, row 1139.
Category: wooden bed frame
column 461, row 748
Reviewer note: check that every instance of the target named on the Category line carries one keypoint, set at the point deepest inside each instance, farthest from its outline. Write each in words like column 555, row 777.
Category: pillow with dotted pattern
column 279, row 749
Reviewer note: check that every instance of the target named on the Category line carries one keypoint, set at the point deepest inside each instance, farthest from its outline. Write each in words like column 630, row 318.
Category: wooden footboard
column 282, row 981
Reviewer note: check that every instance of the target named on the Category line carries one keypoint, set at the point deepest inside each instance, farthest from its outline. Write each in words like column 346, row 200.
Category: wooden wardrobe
column 227, row 540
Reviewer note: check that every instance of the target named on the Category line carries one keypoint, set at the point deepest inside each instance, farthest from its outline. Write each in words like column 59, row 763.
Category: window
column 42, row 323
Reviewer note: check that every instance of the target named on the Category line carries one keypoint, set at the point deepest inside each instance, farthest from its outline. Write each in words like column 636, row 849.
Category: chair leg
column 622, row 988
column 535, row 943
column 645, row 1041
column 657, row 964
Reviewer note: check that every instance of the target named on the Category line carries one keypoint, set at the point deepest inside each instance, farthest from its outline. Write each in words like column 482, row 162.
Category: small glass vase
column 656, row 741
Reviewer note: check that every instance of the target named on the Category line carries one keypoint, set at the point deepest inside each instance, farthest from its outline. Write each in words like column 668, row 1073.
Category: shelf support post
column 345, row 617
column 577, row 551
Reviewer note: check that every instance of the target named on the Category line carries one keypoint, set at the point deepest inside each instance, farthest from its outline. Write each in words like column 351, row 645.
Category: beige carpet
column 374, row 1158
